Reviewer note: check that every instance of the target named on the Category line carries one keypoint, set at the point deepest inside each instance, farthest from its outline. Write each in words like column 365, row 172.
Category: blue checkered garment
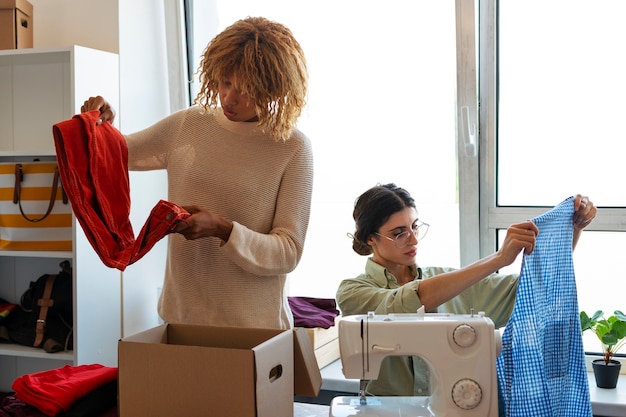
column 541, row 371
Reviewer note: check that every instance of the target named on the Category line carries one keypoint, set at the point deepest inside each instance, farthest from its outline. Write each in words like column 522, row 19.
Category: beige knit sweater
column 262, row 185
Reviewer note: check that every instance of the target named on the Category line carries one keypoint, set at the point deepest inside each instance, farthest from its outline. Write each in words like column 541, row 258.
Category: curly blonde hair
column 269, row 66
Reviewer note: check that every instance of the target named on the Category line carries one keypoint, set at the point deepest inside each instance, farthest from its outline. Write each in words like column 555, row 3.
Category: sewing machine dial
column 464, row 335
column 467, row 394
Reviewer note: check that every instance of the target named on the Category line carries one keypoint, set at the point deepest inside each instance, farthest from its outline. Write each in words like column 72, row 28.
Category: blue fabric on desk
column 541, row 370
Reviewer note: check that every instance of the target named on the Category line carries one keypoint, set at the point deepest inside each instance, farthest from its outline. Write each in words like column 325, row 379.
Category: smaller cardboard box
column 325, row 343
column 16, row 24
column 186, row 370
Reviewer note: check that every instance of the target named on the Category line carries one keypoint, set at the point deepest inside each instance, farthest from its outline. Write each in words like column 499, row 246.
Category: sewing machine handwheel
column 464, row 335
column 467, row 394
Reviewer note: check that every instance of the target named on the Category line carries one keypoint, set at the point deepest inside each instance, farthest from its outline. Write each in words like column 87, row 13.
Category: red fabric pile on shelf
column 54, row 392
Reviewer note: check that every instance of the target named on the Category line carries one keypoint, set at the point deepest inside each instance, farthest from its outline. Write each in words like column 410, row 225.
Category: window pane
column 600, row 276
column 561, row 101
column 380, row 109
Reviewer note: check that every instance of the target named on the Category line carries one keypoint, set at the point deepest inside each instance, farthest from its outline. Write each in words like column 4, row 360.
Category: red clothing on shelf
column 54, row 391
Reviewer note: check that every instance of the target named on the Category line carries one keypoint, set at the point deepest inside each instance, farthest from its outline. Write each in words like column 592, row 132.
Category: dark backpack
column 44, row 317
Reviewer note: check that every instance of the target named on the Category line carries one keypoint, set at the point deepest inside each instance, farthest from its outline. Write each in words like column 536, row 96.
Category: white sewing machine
column 460, row 350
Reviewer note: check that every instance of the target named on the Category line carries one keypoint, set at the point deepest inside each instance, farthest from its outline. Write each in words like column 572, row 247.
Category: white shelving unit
column 38, row 88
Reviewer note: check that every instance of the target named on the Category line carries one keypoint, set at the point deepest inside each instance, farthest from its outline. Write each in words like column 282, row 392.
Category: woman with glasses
column 388, row 229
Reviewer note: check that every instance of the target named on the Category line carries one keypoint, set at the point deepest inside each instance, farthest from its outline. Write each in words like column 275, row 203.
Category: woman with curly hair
column 238, row 164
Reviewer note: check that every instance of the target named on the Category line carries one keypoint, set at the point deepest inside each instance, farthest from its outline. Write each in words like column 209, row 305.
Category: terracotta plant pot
column 606, row 374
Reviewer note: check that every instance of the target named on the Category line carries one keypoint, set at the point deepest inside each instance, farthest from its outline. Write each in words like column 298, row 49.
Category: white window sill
column 608, row 402
column 604, row 402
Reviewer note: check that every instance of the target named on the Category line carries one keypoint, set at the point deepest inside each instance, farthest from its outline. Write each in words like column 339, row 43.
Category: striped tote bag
column 34, row 212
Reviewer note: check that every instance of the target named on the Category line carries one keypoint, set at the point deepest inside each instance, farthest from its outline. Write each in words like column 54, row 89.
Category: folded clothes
column 96, row 403
column 56, row 390
column 12, row 407
column 5, row 308
column 313, row 312
column 93, row 165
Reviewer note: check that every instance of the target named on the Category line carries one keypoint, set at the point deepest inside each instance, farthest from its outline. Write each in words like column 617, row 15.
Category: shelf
column 30, row 352
column 37, row 254
column 27, row 53
column 39, row 88
column 27, row 154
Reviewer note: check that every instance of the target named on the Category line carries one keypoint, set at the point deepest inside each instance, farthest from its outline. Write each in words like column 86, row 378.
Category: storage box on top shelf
column 16, row 24
column 190, row 371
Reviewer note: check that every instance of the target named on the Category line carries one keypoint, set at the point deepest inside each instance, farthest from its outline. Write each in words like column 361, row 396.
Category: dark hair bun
column 361, row 248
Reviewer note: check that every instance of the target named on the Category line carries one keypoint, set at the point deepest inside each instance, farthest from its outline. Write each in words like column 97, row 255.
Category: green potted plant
column 611, row 332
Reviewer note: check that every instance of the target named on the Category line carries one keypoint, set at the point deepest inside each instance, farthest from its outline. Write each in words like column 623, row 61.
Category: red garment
column 54, row 391
column 93, row 164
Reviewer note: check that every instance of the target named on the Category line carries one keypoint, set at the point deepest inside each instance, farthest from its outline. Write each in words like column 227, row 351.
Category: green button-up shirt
column 378, row 290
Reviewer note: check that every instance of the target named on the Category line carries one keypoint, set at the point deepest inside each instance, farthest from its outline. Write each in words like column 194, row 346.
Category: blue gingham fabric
column 541, row 371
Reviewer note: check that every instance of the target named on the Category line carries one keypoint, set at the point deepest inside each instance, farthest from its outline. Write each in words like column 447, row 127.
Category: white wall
column 135, row 30
column 89, row 23
column 144, row 99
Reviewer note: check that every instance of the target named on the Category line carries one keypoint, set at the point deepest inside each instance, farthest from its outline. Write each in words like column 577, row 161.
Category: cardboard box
column 325, row 343
column 16, row 24
column 185, row 370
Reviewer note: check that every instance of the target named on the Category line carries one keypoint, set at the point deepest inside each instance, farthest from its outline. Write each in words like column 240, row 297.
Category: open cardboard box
column 187, row 370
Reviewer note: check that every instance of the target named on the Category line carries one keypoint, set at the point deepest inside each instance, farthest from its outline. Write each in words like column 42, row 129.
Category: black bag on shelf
column 44, row 318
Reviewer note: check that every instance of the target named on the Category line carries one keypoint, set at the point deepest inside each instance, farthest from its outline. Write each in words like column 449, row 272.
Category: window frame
column 480, row 218
column 492, row 216
column 468, row 147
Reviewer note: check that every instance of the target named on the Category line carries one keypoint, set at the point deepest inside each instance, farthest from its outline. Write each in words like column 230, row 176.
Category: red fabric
column 93, row 165
column 54, row 391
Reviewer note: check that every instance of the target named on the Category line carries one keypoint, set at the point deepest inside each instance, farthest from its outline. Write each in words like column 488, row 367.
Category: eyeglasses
column 401, row 240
